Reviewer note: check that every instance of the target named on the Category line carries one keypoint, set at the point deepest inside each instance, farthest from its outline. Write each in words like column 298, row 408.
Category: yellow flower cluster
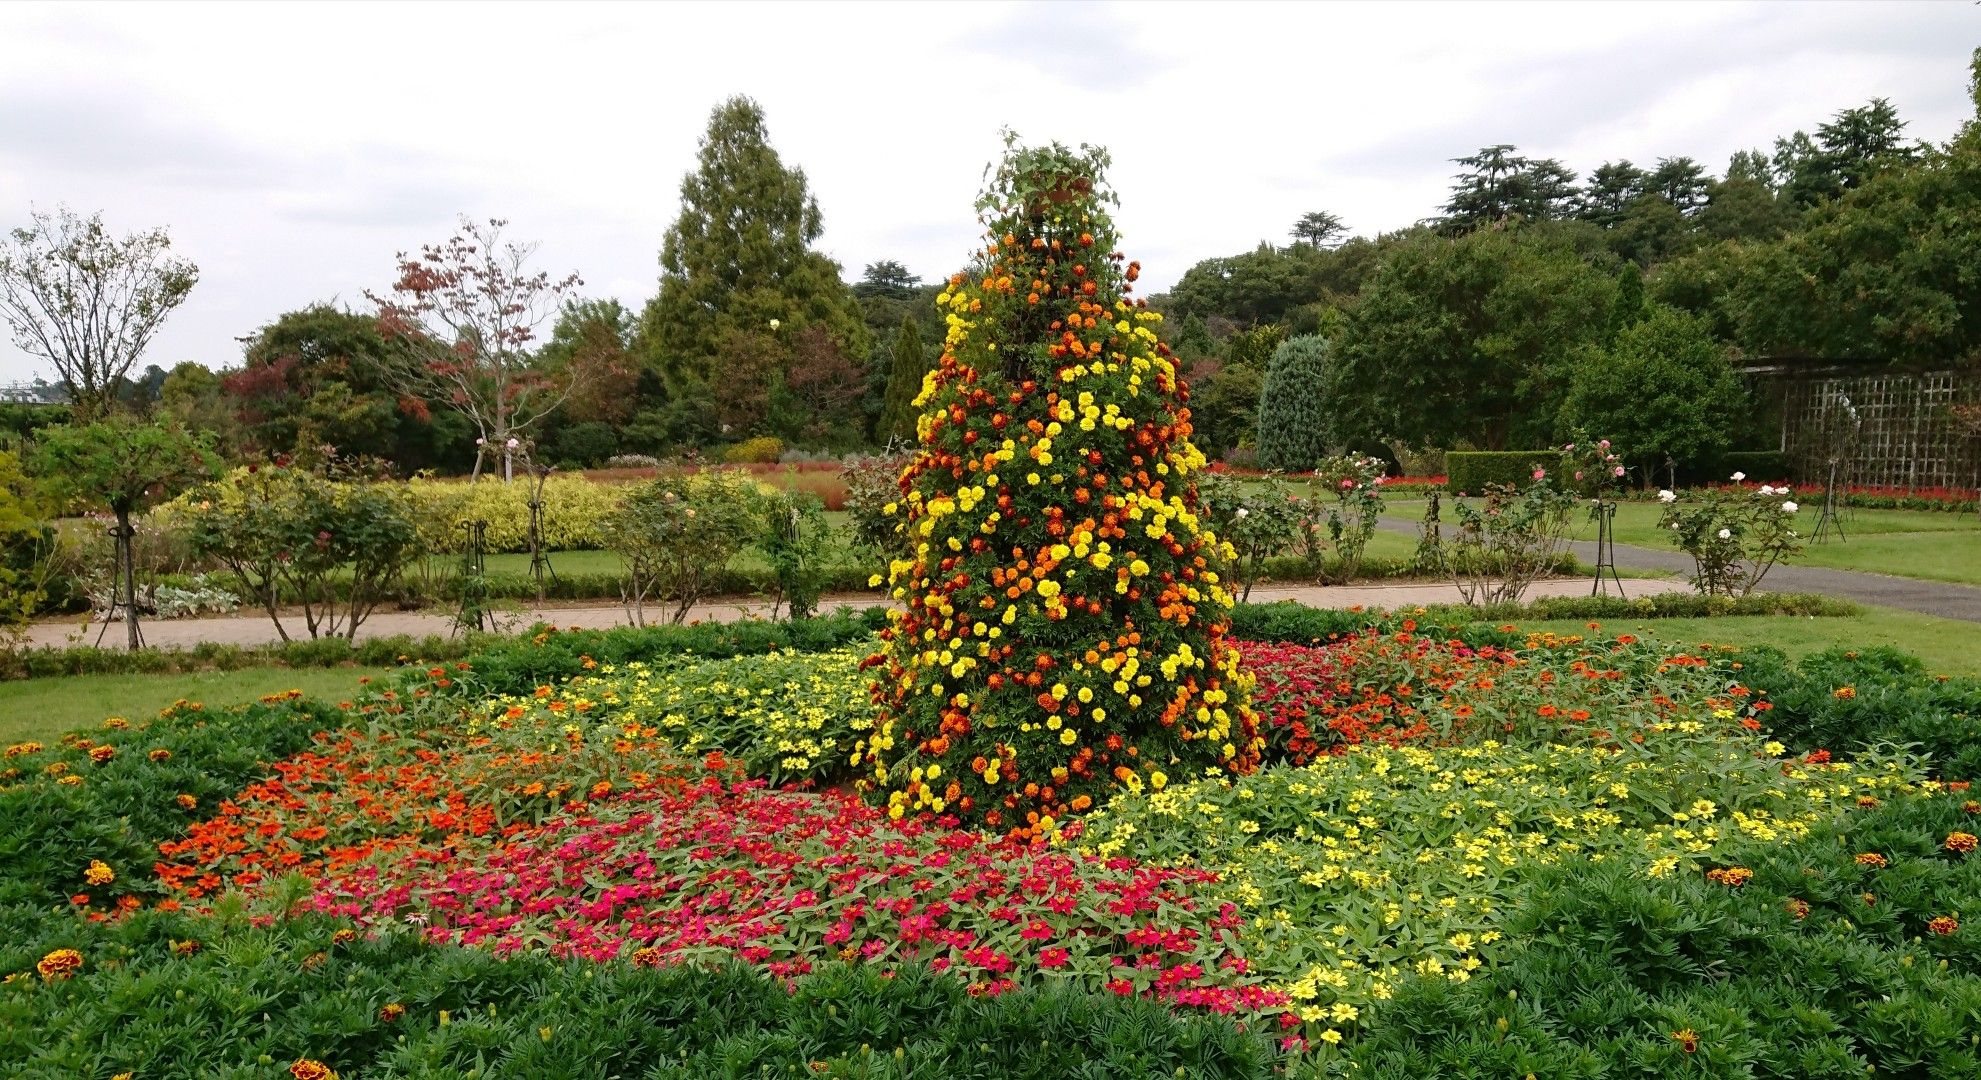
column 1360, row 868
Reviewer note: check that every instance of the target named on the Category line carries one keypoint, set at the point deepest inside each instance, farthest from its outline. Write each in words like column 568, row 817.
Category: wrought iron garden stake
column 474, row 582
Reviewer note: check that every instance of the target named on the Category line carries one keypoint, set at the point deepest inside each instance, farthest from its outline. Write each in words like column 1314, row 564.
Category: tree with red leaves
column 462, row 318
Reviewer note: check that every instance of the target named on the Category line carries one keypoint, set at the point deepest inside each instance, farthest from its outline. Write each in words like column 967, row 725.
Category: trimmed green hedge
column 1288, row 621
column 1469, row 471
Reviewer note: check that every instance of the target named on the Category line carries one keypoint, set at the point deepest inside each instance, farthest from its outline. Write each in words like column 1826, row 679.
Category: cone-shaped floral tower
column 1062, row 623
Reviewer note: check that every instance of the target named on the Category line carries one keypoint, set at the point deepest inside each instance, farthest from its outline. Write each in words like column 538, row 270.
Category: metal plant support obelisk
column 1604, row 513
column 474, row 580
column 1829, row 522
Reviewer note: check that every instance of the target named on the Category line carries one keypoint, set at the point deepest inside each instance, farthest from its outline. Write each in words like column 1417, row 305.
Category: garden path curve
column 1941, row 598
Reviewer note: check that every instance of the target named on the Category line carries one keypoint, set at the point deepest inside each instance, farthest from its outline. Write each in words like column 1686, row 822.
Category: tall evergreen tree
column 739, row 261
column 904, row 382
column 1612, row 188
column 1293, row 414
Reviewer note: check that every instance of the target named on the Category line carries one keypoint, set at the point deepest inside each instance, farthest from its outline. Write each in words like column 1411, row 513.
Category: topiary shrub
column 1293, row 424
column 1062, row 627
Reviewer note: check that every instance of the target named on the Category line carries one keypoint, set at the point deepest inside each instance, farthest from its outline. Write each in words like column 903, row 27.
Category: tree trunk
column 127, row 564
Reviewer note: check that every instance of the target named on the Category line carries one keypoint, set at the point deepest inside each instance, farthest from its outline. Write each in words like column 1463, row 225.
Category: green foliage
column 335, row 545
column 738, row 260
column 586, row 445
column 312, row 378
column 26, row 541
column 1506, row 541
column 1468, row 472
column 1663, row 388
column 1469, row 339
column 468, row 1012
column 1294, row 433
column 1854, row 700
column 124, row 806
column 1259, row 520
column 1817, row 967
column 904, row 381
column 677, row 532
column 1880, row 272
column 516, row 666
column 1735, row 535
column 795, row 540
column 1345, row 499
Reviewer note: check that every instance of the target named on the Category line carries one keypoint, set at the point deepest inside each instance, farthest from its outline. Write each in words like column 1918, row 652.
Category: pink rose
column 1540, row 473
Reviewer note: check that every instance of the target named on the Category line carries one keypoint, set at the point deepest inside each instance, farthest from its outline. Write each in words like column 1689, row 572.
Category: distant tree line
column 1537, row 300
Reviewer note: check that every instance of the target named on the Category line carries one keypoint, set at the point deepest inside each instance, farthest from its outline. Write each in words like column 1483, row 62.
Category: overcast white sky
column 293, row 148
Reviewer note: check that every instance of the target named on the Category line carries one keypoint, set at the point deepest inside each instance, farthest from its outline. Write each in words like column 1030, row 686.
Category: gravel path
column 257, row 629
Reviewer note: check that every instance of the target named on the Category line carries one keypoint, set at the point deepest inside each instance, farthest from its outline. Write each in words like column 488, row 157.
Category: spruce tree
column 904, row 382
column 1293, row 418
column 738, row 260
column 1061, row 629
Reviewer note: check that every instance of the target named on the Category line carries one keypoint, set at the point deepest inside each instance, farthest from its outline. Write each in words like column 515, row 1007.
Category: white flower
column 1739, row 476
column 1726, row 534
column 1789, row 507
column 481, row 442
column 775, row 323
column 1765, row 490
column 513, row 443
column 1667, row 495
column 1243, row 513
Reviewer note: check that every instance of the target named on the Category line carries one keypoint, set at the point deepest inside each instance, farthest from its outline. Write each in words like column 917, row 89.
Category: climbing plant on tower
column 1062, row 622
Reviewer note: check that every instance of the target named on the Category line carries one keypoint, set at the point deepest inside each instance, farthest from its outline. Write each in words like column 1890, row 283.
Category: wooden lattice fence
column 1889, row 428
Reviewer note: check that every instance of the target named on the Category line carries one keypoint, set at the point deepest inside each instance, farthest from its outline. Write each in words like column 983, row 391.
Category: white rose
column 513, row 443
column 1667, row 496
column 1725, row 534
column 1789, row 507
column 1766, row 490
column 1244, row 513
column 1739, row 476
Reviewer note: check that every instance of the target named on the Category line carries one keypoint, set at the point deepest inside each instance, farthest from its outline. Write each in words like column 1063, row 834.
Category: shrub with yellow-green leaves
column 574, row 512
column 1063, row 619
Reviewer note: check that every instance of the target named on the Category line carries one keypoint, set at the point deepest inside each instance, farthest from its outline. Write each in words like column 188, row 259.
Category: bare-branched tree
column 462, row 319
column 88, row 302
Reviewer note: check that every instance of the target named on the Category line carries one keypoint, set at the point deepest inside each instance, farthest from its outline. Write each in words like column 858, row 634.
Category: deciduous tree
column 88, row 302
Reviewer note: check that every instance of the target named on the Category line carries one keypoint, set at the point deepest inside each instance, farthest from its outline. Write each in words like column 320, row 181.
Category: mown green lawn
column 1928, row 544
column 43, row 709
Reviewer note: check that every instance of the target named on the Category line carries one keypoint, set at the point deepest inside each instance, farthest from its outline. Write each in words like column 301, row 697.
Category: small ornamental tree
column 1062, row 621
column 127, row 466
column 1293, row 423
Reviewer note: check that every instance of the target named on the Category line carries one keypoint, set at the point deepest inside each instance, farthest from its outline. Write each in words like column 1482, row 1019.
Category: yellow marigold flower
column 99, row 873
column 60, row 964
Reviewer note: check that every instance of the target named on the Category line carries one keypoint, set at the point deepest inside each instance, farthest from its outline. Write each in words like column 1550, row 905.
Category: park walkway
column 257, row 629
column 1941, row 598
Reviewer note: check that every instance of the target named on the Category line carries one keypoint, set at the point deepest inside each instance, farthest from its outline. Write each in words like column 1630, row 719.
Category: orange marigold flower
column 1943, row 925
column 60, row 964
column 1798, row 908
column 184, row 948
column 1867, row 802
column 311, row 1069
column 1687, row 1039
column 1844, row 693
column 101, row 754
column 646, row 957
column 1873, row 860
column 1732, row 877
column 391, row 1011
column 187, row 802
column 1962, row 842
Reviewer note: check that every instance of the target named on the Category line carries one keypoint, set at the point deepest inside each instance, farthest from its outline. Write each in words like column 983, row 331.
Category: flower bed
column 1427, row 807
